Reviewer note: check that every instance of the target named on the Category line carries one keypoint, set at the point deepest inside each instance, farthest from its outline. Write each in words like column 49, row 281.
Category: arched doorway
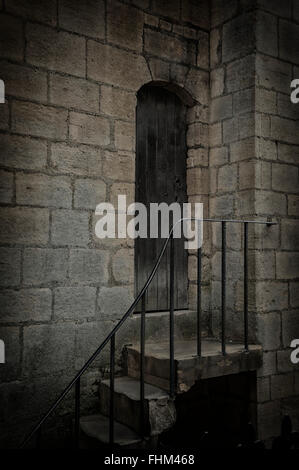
column 160, row 177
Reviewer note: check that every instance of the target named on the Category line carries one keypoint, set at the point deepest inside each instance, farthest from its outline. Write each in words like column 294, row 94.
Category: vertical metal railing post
column 142, row 354
column 171, row 320
column 223, row 288
column 77, row 414
column 112, row 371
column 199, row 290
column 246, row 286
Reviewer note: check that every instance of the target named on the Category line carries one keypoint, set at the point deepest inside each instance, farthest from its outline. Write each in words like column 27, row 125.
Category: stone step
column 96, row 427
column 159, row 413
column 188, row 366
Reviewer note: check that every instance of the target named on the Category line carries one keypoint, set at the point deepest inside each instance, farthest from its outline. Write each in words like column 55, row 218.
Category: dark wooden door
column 160, row 177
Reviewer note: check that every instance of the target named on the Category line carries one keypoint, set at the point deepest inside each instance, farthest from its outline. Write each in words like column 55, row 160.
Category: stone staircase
column 160, row 409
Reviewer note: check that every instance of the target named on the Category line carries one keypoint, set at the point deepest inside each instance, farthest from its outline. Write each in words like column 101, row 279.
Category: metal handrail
column 111, row 335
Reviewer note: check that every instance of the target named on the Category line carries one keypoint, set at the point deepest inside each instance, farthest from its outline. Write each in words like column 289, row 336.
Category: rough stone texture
column 86, row 18
column 44, row 266
column 86, row 129
column 89, row 193
column 113, row 302
column 70, row 228
column 74, row 93
column 74, row 303
column 89, row 266
column 45, row 191
column 26, row 305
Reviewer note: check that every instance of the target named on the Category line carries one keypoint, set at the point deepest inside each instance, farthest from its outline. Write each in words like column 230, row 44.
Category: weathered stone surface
column 271, row 296
column 221, row 205
column 74, row 303
column 89, row 266
column 266, row 33
column 294, row 294
column 115, row 67
column 254, row 174
column 124, row 25
column 278, row 8
column 273, row 73
column 74, row 93
column 289, row 235
column 24, row 82
column 123, row 266
column 262, row 265
column 196, row 12
column 45, row 12
column 89, row 193
column 4, row 116
column 288, row 153
column 48, row 348
column 10, row 266
column 78, row 160
column 197, row 83
column 215, row 47
column 203, row 58
column 11, row 37
column 197, row 181
column 222, row 12
column 269, row 330
column 87, row 18
column 269, row 420
column 221, row 108
column 285, row 178
column 119, row 166
column 87, row 129
column 197, row 157
column 218, row 156
column 39, row 121
column 282, row 386
column 169, row 8
column 42, row 190
column 198, row 134
column 25, row 226
column 44, row 266
column 227, row 178
column 169, row 47
column 6, row 187
column 125, row 135
column 55, row 50
column 243, row 101
column 22, row 152
column 269, row 364
column 215, row 134
column 238, row 37
column 162, row 70
column 288, row 38
column 290, row 327
column 70, row 228
column 240, row 74
column 217, row 82
column 284, row 129
column 126, row 189
column 118, row 103
column 263, row 389
column 25, row 305
column 113, row 302
column 286, row 108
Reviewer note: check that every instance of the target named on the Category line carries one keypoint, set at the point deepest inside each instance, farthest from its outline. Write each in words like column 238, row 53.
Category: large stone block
column 118, row 103
column 78, row 160
column 286, row 108
column 42, row 190
column 288, row 40
column 11, row 38
column 22, row 152
column 198, row 135
column 227, row 178
column 271, row 296
column 74, row 303
column 124, row 25
column 266, row 33
column 265, row 101
column 89, row 193
column 123, row 266
column 218, row 156
column 87, row 129
column 55, row 50
column 222, row 205
column 39, row 121
column 74, row 93
column 263, row 389
column 48, row 348
column 262, row 265
column 125, row 135
column 113, row 302
column 293, row 205
column 197, row 181
column 6, row 187
column 89, row 266
column 203, row 56
column 269, row 330
column 238, row 37
column 10, row 266
column 221, row 12
column 113, row 66
column 284, row 130
column 87, row 18
column 278, row 8
column 273, row 73
column 244, row 101
column 70, row 228
column 24, row 82
column 44, row 12
column 240, row 74
column 197, row 83
column 215, row 47
column 44, row 266
column 269, row 203
column 26, row 305
column 285, row 178
column 25, row 226
column 269, row 364
column 196, row 12
column 254, row 174
column 221, row 108
column 288, row 153
column 289, row 235
column 169, row 47
column 197, row 157
column 215, row 134
column 290, row 327
column 119, row 166
column 168, row 8
column 217, row 82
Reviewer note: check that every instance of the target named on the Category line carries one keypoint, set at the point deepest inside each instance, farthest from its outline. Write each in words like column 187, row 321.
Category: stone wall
column 254, row 173
column 67, row 138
